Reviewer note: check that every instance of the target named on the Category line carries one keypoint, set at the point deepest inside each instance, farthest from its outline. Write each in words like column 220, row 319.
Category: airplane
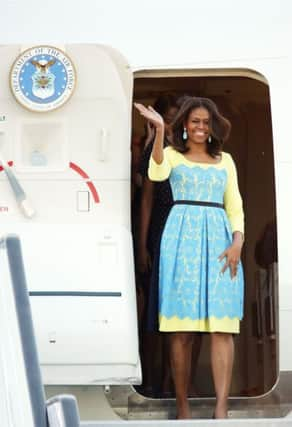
column 65, row 186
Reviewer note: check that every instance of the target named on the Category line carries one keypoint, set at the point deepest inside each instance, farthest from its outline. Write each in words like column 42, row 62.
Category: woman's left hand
column 232, row 258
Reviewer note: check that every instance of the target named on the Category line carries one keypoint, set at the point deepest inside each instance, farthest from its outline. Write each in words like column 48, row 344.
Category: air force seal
column 42, row 78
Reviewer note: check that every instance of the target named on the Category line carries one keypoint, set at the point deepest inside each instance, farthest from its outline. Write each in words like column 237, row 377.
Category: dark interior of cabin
column 244, row 99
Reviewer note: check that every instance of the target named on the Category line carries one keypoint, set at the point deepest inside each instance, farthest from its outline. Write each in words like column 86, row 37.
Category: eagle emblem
column 43, row 79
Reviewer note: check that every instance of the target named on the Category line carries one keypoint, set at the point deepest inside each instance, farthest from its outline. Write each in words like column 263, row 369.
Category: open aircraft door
column 65, row 136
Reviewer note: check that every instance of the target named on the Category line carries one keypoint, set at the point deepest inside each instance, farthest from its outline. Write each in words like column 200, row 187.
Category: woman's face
column 198, row 125
column 169, row 115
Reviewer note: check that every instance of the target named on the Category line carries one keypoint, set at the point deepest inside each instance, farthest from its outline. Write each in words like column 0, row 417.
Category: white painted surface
column 69, row 247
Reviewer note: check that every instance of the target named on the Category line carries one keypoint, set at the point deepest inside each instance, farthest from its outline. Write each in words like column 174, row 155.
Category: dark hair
column 219, row 126
column 164, row 102
column 182, row 99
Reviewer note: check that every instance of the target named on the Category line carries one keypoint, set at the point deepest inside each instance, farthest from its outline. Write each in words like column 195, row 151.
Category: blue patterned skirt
column 187, row 292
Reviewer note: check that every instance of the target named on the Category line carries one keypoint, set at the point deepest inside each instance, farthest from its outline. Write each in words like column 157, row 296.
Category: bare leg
column 222, row 355
column 149, row 340
column 166, row 369
column 180, row 359
column 196, row 348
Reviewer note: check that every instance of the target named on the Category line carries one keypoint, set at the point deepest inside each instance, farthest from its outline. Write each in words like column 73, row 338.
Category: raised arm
column 155, row 118
column 159, row 166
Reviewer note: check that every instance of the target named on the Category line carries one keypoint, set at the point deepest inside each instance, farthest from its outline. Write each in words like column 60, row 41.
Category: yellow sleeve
column 160, row 172
column 232, row 198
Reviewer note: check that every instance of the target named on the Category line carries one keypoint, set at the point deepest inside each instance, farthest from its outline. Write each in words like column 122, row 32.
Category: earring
column 185, row 135
column 209, row 139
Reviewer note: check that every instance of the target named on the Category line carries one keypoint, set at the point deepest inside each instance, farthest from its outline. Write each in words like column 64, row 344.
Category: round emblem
column 42, row 78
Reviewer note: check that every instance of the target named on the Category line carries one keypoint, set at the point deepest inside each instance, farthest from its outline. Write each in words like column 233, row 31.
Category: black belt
column 198, row 203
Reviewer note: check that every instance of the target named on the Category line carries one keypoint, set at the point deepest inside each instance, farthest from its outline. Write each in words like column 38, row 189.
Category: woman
column 156, row 201
column 156, row 197
column 202, row 238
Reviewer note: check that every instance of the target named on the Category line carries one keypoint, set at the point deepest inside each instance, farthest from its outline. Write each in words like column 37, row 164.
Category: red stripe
column 10, row 163
column 85, row 176
column 93, row 191
column 78, row 170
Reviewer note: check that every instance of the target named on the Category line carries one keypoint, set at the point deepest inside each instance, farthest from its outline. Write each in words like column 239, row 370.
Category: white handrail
column 16, row 407
column 22, row 399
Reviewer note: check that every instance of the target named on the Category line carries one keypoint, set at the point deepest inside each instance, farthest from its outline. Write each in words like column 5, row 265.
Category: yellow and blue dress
column 207, row 209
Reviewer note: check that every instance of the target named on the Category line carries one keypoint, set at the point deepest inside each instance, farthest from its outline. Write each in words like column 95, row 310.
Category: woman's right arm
column 157, row 121
column 157, row 150
column 159, row 166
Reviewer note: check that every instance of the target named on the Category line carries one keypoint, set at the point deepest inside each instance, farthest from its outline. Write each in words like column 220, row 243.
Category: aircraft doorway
column 243, row 97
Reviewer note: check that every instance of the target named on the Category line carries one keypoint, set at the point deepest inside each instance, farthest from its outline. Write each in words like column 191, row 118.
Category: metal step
column 185, row 423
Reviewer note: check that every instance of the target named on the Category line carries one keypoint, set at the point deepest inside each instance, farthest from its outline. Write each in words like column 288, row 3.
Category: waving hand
column 151, row 115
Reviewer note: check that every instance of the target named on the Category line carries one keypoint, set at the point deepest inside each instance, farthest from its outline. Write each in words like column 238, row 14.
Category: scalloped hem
column 212, row 324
